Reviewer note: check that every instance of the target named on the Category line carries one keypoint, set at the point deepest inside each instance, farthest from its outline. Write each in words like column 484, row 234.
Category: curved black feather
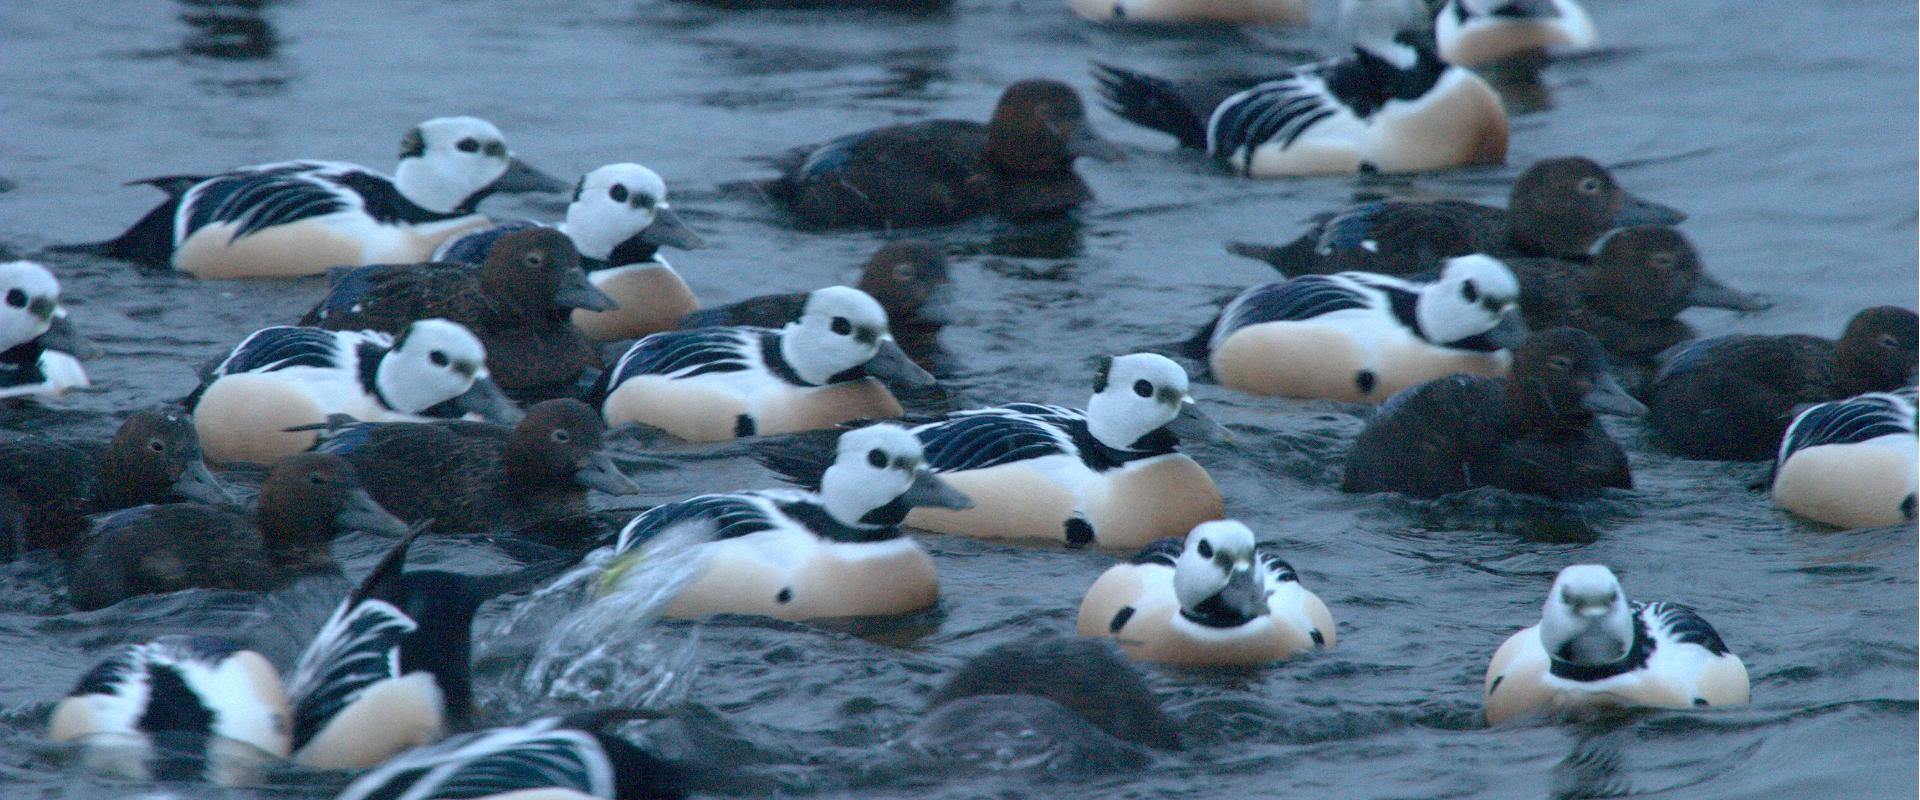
column 1684, row 625
column 1164, row 552
column 1298, row 299
column 732, row 514
column 684, row 354
column 258, row 199
column 983, row 440
column 281, row 347
column 1849, row 421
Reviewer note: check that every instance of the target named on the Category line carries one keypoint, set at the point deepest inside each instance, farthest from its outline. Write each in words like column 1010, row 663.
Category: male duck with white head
column 39, row 350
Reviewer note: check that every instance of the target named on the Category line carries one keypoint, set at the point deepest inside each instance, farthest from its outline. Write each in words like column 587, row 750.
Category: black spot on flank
column 1366, row 380
column 1119, row 11
column 1321, row 641
column 172, row 705
column 1496, row 684
column 1120, row 620
column 1699, row 701
column 785, row 595
column 743, row 426
column 1906, row 508
column 1369, row 168
column 1079, row 533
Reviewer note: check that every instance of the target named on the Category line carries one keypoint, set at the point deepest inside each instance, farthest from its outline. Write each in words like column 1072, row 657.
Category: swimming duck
column 150, row 706
column 296, row 218
column 837, row 551
column 1360, row 337
column 1472, row 33
column 1627, row 294
column 907, row 277
column 1270, row 12
column 478, row 476
column 1390, row 106
column 619, row 219
column 1532, row 432
column 1851, row 463
column 551, row 758
column 55, row 485
column 1110, row 474
column 519, row 302
column 1592, row 647
column 307, row 499
column 1216, row 599
column 1018, row 166
column 1558, row 207
column 714, row 384
column 1732, row 397
column 261, row 401
column 389, row 669
column 39, row 349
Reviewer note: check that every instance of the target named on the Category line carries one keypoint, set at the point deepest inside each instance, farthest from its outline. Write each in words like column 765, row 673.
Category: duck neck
column 1532, row 405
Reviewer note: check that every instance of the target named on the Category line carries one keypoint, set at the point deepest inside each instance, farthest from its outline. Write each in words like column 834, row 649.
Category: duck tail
column 149, row 242
column 1291, row 260
column 1151, row 102
column 1197, row 346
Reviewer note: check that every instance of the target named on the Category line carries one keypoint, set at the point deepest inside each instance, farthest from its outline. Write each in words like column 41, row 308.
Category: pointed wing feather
column 281, row 347
column 684, row 354
column 733, row 515
column 1279, row 110
column 260, row 198
column 1683, row 624
column 1298, row 299
column 358, row 647
column 988, row 438
column 1849, row 421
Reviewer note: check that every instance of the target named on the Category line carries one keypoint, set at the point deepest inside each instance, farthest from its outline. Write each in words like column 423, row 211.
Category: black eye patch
column 1470, row 292
column 438, row 358
column 876, row 459
column 16, row 298
column 467, row 145
column 618, row 192
column 841, row 326
column 1205, row 549
column 1143, row 388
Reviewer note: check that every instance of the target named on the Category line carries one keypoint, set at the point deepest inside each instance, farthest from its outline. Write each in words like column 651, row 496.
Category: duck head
column 879, row 473
column 842, row 328
column 625, row 206
column 1877, row 351
column 1560, row 206
column 559, row 443
column 29, row 301
column 435, row 361
column 1217, row 577
column 1134, row 395
column 1586, row 620
column 1475, row 304
column 156, row 453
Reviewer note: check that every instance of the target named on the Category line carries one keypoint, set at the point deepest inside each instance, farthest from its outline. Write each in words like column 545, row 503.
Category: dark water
column 1787, row 130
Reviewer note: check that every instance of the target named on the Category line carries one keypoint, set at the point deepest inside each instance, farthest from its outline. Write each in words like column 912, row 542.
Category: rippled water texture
column 1787, row 130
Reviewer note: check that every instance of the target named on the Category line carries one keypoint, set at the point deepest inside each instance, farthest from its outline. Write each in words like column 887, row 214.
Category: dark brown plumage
column 519, row 302
column 1732, row 397
column 49, row 488
column 1532, row 432
column 1019, row 166
column 306, row 500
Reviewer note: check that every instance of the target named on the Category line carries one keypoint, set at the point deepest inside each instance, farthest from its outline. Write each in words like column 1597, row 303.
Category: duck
column 54, row 486
column 390, row 668
column 1018, row 166
column 295, row 218
column 1390, row 106
column 1851, row 463
column 907, row 277
column 1109, row 475
column 1592, row 647
column 1213, row 599
column 835, row 550
column 619, row 219
column 1628, row 294
column 1559, row 207
column 555, row 758
column 480, row 476
column 1255, row 12
column 1360, row 337
column 519, row 302
column 1731, row 398
column 258, row 404
column 39, row 348
column 1473, row 33
column 202, row 700
column 306, row 500
column 715, row 384
column 1531, row 432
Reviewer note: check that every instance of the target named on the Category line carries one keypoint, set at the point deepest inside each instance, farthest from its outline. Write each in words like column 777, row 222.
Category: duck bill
column 892, row 366
column 1709, row 292
column 667, row 230
column 1637, row 211
column 1608, row 397
column 62, row 336
column 1509, row 332
column 485, row 399
column 928, row 491
column 1193, row 425
column 1084, row 143
column 577, row 291
column 1243, row 592
column 198, row 484
column 520, row 178
column 601, row 473
column 363, row 514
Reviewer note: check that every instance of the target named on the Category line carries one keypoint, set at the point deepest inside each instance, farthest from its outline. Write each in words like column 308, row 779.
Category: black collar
column 872, row 528
column 1214, row 613
column 1635, row 658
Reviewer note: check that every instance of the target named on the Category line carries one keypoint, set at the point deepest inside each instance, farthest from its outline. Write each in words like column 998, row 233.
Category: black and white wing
column 733, row 515
column 684, row 354
column 1850, row 421
column 991, row 437
column 1164, row 552
column 262, row 197
column 1673, row 622
column 1278, row 112
column 282, row 347
column 543, row 754
column 357, row 648
column 1277, row 569
column 1302, row 298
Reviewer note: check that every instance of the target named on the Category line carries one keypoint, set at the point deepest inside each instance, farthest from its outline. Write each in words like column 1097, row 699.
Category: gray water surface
column 1787, row 131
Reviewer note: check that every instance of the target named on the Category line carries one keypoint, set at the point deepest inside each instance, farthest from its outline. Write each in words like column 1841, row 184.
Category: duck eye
column 536, row 259
column 438, row 358
column 1589, row 185
column 876, row 459
column 1143, row 388
column 1561, row 363
column 842, row 327
column 903, row 272
column 316, row 479
column 618, row 193
column 1664, row 261
column 562, row 436
column 468, row 145
column 1205, row 549
column 16, row 298
column 157, row 446
column 1470, row 292
column 1887, row 341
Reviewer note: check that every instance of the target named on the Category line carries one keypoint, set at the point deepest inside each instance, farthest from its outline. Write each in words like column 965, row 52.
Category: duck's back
column 1732, row 397
column 922, row 173
column 445, row 472
column 1429, row 440
column 389, row 297
column 765, row 311
column 166, row 548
